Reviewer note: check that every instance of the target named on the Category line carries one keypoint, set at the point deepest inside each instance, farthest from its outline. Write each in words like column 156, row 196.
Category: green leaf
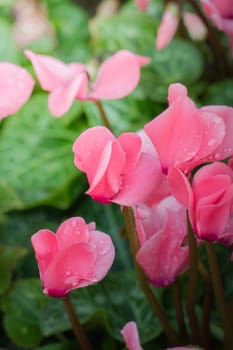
column 109, row 305
column 8, row 49
column 10, row 256
column 36, row 158
column 220, row 93
column 21, row 312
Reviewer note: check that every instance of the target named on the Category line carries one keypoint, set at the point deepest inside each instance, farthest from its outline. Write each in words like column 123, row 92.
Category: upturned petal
column 131, row 337
column 168, row 26
column 15, row 88
column 118, row 76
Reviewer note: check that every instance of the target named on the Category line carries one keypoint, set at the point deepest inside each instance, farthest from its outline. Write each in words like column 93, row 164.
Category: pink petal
column 71, row 231
column 45, row 245
column 105, row 253
column 212, row 12
column 168, row 26
column 52, row 72
column 146, row 172
column 61, row 99
column 195, row 26
column 88, row 149
column 131, row 144
column 175, row 91
column 118, row 76
column 176, row 133
column 225, row 148
column 142, row 4
column 131, row 337
column 73, row 268
column 180, row 187
column 108, row 179
column 15, row 88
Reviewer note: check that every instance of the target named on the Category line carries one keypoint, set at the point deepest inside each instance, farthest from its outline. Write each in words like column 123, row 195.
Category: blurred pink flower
column 220, row 12
column 142, row 4
column 162, row 230
column 76, row 256
column 186, row 136
column 15, row 88
column 209, row 200
column 117, row 77
column 116, row 168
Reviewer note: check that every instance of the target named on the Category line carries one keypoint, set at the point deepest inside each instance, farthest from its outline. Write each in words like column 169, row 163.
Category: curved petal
column 16, row 86
column 61, row 99
column 146, row 172
column 118, row 76
column 176, row 133
column 71, row 231
column 108, row 177
column 88, row 149
column 73, row 268
column 131, row 144
column 180, row 187
column 131, row 337
column 105, row 253
column 168, row 26
column 45, row 245
column 175, row 91
column 195, row 26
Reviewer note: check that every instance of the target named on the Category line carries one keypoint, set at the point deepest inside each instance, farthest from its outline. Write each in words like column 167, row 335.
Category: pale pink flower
column 142, row 4
column 162, row 230
column 76, row 256
column 168, row 25
column 131, row 337
column 195, row 26
column 117, row 77
column 15, row 88
column 116, row 168
column 220, row 12
column 209, row 200
column 186, row 136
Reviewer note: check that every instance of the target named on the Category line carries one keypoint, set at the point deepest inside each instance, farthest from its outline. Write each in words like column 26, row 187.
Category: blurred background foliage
column 39, row 184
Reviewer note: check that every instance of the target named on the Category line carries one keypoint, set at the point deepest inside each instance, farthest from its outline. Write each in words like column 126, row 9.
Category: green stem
column 219, row 294
column 103, row 115
column 192, row 285
column 156, row 307
column 177, row 297
column 205, row 327
column 77, row 328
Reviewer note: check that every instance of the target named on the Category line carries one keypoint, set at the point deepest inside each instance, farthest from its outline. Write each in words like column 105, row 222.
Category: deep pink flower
column 116, row 168
column 76, row 256
column 162, row 230
column 131, row 337
column 209, row 200
column 185, row 136
column 220, row 12
column 118, row 76
column 15, row 88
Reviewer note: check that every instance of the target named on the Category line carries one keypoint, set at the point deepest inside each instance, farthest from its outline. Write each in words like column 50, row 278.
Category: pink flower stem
column 205, row 327
column 156, row 307
column 192, row 285
column 177, row 297
column 214, row 39
column 103, row 115
column 219, row 295
column 77, row 327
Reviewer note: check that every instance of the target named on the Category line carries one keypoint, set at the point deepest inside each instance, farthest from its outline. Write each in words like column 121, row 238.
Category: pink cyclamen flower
column 15, row 88
column 117, row 77
column 162, row 230
column 209, row 200
column 142, row 4
column 220, row 12
column 76, row 256
column 186, row 136
column 116, row 168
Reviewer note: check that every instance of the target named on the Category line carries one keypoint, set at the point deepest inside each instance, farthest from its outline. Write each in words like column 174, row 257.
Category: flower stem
column 156, row 307
column 77, row 328
column 177, row 297
column 219, row 294
column 103, row 115
column 192, row 285
column 205, row 327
